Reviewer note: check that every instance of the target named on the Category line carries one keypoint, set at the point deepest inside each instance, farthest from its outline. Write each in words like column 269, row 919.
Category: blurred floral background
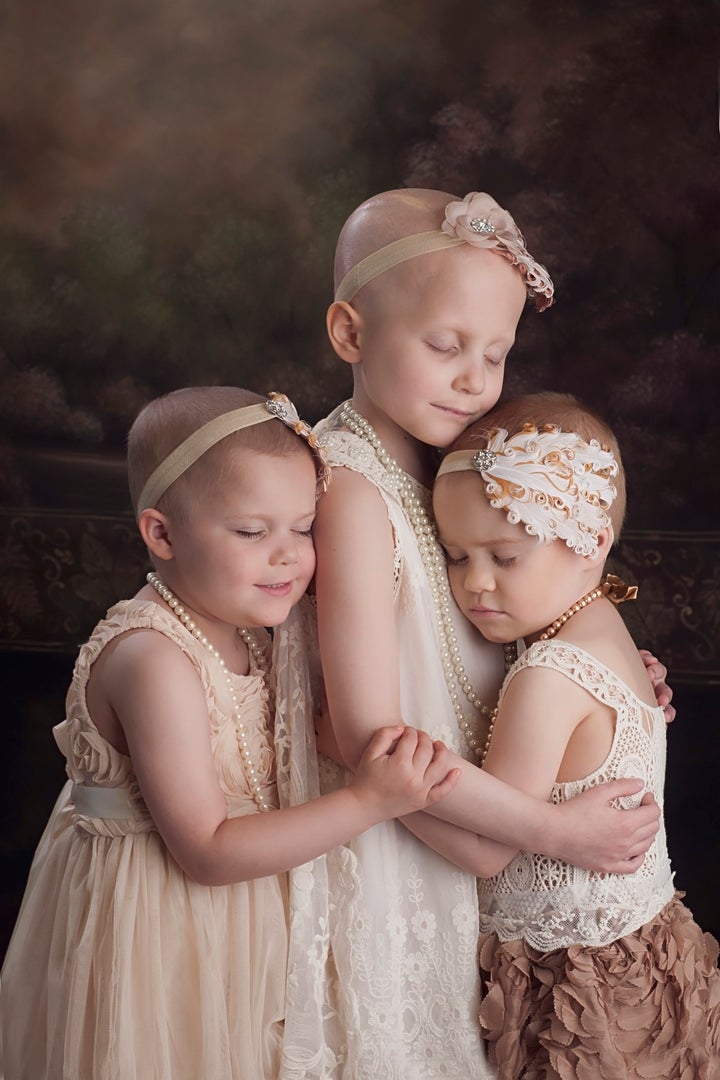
column 173, row 175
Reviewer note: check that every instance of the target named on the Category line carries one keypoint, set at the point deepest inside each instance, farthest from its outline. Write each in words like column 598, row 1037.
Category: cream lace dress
column 598, row 975
column 383, row 976
column 120, row 968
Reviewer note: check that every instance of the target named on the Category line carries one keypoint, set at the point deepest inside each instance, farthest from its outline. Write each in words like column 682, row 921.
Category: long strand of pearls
column 189, row 623
column 433, row 559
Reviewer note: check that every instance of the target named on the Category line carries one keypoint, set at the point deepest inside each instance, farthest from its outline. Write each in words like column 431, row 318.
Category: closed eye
column 455, row 560
column 504, row 562
column 442, row 346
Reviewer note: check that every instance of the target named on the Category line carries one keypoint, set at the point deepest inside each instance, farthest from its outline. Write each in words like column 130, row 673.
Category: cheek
column 456, row 578
column 308, row 561
column 494, row 385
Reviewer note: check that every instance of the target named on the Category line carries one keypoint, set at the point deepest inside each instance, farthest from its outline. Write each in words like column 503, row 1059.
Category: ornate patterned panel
column 677, row 613
column 60, row 571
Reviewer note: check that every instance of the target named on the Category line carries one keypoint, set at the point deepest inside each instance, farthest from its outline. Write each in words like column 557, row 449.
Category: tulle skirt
column 120, row 968
column 647, row 1005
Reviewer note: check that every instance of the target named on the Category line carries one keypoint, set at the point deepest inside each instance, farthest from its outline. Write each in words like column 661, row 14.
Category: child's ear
column 153, row 526
column 343, row 326
column 605, row 540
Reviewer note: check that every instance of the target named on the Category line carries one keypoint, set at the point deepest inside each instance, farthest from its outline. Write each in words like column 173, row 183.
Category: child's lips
column 461, row 414
column 486, row 613
column 282, row 588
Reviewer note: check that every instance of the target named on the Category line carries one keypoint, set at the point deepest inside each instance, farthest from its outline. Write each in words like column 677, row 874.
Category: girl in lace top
column 152, row 939
column 584, row 974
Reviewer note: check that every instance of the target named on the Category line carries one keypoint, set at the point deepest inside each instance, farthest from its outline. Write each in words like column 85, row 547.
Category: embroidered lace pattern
column 551, row 904
column 383, row 977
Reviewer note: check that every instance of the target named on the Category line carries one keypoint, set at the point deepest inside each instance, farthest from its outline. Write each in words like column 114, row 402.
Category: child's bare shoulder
column 141, row 652
column 352, row 501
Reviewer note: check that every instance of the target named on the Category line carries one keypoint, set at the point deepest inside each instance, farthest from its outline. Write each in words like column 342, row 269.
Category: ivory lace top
column 547, row 902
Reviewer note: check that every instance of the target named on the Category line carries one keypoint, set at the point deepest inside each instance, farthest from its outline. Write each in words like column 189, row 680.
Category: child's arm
column 356, row 611
column 159, row 700
column 524, row 752
column 356, row 624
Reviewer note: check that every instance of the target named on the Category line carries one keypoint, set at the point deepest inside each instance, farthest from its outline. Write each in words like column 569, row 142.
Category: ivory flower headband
column 551, row 481
column 179, row 460
column 477, row 220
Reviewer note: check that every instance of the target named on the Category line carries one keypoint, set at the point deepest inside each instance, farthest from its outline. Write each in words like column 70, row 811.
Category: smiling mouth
column 281, row 589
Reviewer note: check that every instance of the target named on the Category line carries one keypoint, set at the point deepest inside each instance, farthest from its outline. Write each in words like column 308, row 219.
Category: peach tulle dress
column 120, row 967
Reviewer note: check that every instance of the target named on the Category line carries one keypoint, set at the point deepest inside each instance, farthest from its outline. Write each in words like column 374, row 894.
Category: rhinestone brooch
column 484, row 460
column 276, row 408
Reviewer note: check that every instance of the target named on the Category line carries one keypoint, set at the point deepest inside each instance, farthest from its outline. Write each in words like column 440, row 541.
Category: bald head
column 389, row 216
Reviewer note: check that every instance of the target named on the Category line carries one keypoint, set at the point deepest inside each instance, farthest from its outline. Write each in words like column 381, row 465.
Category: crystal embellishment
column 277, row 409
column 484, row 460
column 482, row 225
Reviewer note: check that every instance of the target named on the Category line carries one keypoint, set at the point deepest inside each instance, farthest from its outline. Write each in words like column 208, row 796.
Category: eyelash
column 455, row 562
column 502, row 563
column 248, row 535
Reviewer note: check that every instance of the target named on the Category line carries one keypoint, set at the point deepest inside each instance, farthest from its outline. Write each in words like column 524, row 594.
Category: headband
column 551, row 481
column 477, row 220
column 179, row 460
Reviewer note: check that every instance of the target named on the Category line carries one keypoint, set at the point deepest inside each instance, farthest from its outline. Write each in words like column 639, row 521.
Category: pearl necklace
column 433, row 560
column 551, row 630
column 189, row 623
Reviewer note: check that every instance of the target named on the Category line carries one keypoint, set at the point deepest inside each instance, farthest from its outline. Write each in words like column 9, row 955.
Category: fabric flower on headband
column 281, row 406
column 551, row 481
column 479, row 220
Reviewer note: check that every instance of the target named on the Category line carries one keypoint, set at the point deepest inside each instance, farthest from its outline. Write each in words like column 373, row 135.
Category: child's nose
column 471, row 377
column 286, row 551
column 479, row 580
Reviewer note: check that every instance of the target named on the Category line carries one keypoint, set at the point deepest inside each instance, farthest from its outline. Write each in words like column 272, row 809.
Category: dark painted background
column 173, row 175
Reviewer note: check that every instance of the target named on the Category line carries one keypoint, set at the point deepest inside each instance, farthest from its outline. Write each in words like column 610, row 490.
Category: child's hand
column 403, row 770
column 604, row 838
column 658, row 675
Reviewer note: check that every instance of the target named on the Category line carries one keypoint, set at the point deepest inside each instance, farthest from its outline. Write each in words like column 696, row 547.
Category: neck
column 224, row 638
column 415, row 458
column 611, row 587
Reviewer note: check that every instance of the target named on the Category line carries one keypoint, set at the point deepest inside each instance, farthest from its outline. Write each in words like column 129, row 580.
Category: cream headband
column 477, row 220
column 551, row 481
column 179, row 460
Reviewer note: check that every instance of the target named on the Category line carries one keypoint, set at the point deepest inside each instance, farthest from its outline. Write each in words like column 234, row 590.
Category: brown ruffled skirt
column 647, row 1005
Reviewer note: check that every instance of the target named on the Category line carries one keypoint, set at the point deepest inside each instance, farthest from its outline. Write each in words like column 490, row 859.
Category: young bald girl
column 152, row 939
column 429, row 291
column 585, row 974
